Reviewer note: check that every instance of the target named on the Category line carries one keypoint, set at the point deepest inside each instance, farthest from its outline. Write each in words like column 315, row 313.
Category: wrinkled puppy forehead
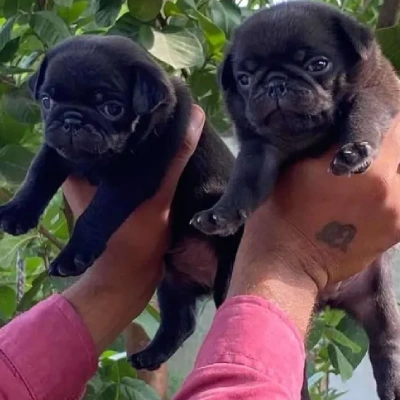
column 70, row 74
column 86, row 63
column 285, row 30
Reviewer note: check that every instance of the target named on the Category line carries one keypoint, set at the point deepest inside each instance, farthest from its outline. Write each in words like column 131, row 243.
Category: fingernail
column 197, row 118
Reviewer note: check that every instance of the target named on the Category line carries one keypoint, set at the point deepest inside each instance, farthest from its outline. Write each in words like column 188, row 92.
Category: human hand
column 318, row 229
column 121, row 282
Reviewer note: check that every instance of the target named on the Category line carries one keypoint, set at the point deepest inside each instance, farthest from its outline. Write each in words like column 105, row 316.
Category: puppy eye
column 47, row 102
column 244, row 80
column 112, row 110
column 317, row 65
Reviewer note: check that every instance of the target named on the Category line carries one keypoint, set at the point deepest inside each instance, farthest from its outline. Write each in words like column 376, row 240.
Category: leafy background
column 187, row 37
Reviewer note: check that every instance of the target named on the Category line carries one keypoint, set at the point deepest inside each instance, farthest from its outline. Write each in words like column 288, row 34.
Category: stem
column 389, row 14
column 69, row 216
column 42, row 230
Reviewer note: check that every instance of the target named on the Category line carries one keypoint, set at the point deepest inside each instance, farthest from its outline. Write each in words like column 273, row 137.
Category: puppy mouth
column 83, row 142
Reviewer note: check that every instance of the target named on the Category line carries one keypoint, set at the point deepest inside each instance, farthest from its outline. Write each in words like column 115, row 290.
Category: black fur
column 126, row 157
column 283, row 109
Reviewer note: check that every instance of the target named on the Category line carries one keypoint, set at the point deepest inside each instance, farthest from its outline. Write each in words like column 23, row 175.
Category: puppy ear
column 356, row 37
column 226, row 77
column 151, row 90
column 36, row 80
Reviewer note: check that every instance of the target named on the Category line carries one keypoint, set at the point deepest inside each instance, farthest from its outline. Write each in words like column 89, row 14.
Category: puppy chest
column 193, row 259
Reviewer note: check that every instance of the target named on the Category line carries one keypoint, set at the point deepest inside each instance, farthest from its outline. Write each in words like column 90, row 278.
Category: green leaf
column 12, row 6
column 27, row 300
column 213, row 34
column 9, row 245
column 5, row 32
column 332, row 317
column 315, row 335
column 14, row 162
column 8, row 301
column 9, row 50
column 71, row 14
column 49, row 27
column 340, row 362
column 340, row 338
column 389, row 39
column 106, row 11
column 11, row 131
column 171, row 9
column 226, row 15
column 127, row 26
column 145, row 10
column 135, row 389
column 21, row 108
column 351, row 329
column 177, row 48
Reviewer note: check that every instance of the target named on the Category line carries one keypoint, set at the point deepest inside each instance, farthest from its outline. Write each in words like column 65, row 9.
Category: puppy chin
column 289, row 115
column 81, row 145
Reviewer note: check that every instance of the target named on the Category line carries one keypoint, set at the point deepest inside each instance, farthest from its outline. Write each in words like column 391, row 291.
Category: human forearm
column 287, row 274
column 106, row 299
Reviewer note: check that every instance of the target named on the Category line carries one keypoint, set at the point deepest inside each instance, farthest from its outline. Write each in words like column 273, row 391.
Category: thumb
column 178, row 164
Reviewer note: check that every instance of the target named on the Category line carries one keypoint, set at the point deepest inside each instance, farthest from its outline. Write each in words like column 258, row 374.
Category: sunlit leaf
column 214, row 35
column 177, row 48
column 5, row 32
column 340, row 362
column 340, row 338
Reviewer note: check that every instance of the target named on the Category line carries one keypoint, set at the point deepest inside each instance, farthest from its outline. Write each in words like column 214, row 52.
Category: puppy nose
column 72, row 119
column 276, row 87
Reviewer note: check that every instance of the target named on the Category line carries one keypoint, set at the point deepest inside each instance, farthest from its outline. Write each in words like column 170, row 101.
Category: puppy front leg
column 253, row 178
column 362, row 137
column 46, row 174
column 110, row 207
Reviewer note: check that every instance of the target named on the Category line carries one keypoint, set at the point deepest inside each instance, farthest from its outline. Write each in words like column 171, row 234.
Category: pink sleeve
column 46, row 353
column 252, row 352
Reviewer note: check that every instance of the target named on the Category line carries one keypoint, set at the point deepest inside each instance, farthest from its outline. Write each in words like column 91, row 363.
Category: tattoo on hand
column 337, row 235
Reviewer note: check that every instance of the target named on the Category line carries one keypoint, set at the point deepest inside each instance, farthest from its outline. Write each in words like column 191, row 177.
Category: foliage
column 187, row 37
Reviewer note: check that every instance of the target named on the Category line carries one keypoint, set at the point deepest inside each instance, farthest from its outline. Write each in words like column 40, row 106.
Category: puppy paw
column 352, row 158
column 219, row 221
column 147, row 360
column 74, row 260
column 16, row 219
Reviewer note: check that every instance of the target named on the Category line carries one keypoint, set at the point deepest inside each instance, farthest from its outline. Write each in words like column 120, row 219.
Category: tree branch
column 389, row 14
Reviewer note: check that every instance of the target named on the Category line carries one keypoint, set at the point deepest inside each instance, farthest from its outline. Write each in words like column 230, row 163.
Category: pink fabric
column 46, row 354
column 251, row 352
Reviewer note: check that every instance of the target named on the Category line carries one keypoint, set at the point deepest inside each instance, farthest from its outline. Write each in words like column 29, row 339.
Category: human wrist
column 280, row 265
column 108, row 297
column 288, row 286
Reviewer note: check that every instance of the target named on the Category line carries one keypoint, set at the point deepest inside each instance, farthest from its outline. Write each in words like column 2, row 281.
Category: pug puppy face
column 289, row 68
column 99, row 97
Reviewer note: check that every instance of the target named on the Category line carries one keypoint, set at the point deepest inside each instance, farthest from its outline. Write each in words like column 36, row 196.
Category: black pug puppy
column 298, row 78
column 113, row 116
